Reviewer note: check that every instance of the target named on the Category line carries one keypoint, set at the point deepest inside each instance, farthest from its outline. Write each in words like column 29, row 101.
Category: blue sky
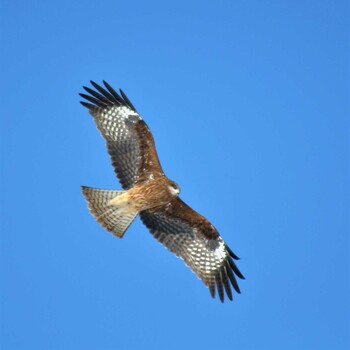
column 248, row 102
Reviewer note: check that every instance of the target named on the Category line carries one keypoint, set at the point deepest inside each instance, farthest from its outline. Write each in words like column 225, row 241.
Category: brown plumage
column 149, row 193
column 146, row 194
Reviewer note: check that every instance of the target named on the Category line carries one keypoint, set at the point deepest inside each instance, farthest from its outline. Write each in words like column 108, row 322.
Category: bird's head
column 174, row 188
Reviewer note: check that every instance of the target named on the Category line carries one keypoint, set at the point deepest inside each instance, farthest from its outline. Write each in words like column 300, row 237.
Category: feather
column 232, row 277
column 226, row 283
column 235, row 269
column 127, row 100
column 234, row 256
column 114, row 93
column 212, row 289
column 87, row 105
column 219, row 286
column 93, row 100
column 103, row 91
column 98, row 96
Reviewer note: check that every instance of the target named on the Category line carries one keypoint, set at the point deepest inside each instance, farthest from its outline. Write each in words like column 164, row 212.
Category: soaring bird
column 147, row 192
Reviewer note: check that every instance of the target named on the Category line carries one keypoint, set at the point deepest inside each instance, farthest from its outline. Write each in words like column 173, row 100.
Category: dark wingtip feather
column 94, row 100
column 113, row 92
column 226, row 283
column 219, row 287
column 101, row 90
column 98, row 96
column 234, row 256
column 87, row 105
column 95, row 85
column 232, row 278
column 127, row 100
column 212, row 290
column 235, row 268
column 101, row 97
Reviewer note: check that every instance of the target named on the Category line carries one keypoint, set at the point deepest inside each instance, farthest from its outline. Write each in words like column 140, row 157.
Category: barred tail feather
column 109, row 216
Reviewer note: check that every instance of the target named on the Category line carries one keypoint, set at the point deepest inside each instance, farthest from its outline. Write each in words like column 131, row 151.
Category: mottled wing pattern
column 126, row 134
column 192, row 238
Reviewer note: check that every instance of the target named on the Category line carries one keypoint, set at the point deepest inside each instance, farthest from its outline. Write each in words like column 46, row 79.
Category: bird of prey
column 147, row 192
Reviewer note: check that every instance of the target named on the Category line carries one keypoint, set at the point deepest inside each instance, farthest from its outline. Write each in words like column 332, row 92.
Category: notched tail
column 100, row 203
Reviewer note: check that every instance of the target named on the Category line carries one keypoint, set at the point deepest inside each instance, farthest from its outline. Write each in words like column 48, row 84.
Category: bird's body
column 149, row 193
column 145, row 195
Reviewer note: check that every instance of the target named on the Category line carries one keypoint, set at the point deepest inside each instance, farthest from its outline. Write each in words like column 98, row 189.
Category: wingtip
column 232, row 254
column 235, row 268
column 212, row 290
column 103, row 98
column 220, row 287
column 87, row 105
column 126, row 99
column 226, row 283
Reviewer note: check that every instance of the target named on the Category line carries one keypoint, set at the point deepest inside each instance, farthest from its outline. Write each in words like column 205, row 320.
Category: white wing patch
column 205, row 256
column 115, row 123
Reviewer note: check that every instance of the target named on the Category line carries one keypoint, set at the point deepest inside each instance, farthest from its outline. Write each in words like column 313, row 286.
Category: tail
column 109, row 216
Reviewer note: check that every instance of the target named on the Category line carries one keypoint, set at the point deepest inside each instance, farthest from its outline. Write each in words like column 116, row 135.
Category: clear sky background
column 248, row 104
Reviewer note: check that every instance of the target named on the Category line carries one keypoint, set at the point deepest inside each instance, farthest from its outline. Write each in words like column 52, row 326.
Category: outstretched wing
column 129, row 141
column 192, row 238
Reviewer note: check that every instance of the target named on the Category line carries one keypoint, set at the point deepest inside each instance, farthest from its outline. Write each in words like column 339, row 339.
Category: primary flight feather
column 147, row 192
